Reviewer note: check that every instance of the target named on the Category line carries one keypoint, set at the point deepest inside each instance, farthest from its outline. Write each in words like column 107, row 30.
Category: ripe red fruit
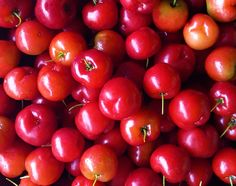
column 117, row 101
column 42, row 167
column 99, row 163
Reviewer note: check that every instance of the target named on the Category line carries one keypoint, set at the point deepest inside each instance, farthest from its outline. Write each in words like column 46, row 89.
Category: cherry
column 223, row 165
column 117, row 101
column 223, row 96
column 10, row 57
column 42, row 167
column 65, row 46
column 200, row 172
column 200, row 142
column 55, row 82
column 12, row 159
column 41, row 60
column 142, row 43
column 21, row 83
column 36, row 40
column 99, row 163
column 97, row 14
column 172, row 161
column 189, row 108
column 92, row 68
column 143, row 177
column 55, row 14
column 67, row 144
column 143, row 6
column 91, row 122
column 35, row 124
column 141, row 127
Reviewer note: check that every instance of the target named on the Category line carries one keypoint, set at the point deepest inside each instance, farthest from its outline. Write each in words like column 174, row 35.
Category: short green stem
column 11, row 181
column 162, row 103
column 218, row 102
column 231, row 180
column 96, row 179
column 163, row 181
column 231, row 124
column 173, row 3
column 16, row 14
column 200, row 183
column 144, row 132
column 75, row 106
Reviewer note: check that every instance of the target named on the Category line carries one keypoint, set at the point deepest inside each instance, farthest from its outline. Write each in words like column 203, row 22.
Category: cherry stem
column 173, row 3
column 61, row 55
column 22, row 104
column 96, row 179
column 218, row 102
column 11, row 181
column 50, row 60
column 162, row 103
column 200, row 183
column 64, row 103
column 230, row 124
column 95, row 2
column 231, row 180
column 147, row 63
column 16, row 13
column 144, row 132
column 75, row 106
column 163, row 181
column 88, row 65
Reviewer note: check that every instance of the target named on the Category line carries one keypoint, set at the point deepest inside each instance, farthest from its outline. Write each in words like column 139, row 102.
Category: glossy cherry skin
column 140, row 154
column 42, row 167
column 143, row 6
column 143, row 177
column 125, row 166
column 21, row 83
column 172, row 161
column 55, row 14
column 114, row 140
column 32, row 37
column 166, row 15
column 10, row 57
column 7, row 132
column 83, row 181
column 142, row 43
column 92, row 68
column 11, row 10
column 226, row 126
column 201, row 142
column 65, row 46
column 223, row 164
column 140, row 127
column 161, row 79
column 9, row 106
column 35, row 124
column 179, row 56
column 111, row 43
column 73, row 167
column 220, row 63
column 27, row 182
column 98, row 16
column 200, row 171
column 223, row 11
column 131, row 20
column 200, row 32
column 189, row 108
column 67, row 144
column 42, row 59
column 223, row 97
column 55, row 82
column 12, row 159
column 99, row 162
column 117, row 101
column 91, row 122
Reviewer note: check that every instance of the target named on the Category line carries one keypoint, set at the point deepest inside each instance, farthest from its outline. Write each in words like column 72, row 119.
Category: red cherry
column 42, row 167
column 200, row 142
column 65, row 46
column 142, row 43
column 141, row 127
column 67, row 144
column 92, row 68
column 189, row 108
column 35, row 124
column 117, row 101
column 36, row 40
column 73, row 167
column 223, row 165
column 143, row 177
column 172, row 161
column 10, row 57
column 99, row 163
column 21, row 83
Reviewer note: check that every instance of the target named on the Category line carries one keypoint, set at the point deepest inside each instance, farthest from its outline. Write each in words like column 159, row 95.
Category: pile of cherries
column 117, row 92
